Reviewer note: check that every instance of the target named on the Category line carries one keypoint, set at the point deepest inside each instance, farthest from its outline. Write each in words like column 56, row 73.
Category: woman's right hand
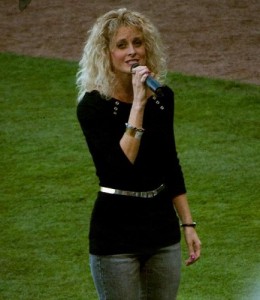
column 140, row 90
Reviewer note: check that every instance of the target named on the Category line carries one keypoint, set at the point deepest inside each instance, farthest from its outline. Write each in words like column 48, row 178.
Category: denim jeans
column 153, row 276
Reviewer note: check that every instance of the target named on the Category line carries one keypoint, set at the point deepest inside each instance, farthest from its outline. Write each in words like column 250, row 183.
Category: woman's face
column 127, row 48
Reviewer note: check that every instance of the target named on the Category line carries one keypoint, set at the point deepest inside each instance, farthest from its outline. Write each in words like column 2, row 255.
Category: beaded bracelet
column 133, row 131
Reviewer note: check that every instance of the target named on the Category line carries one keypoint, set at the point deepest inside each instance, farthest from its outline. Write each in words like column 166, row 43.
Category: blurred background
column 219, row 38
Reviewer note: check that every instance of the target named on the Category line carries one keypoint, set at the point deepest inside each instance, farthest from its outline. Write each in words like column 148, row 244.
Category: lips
column 132, row 61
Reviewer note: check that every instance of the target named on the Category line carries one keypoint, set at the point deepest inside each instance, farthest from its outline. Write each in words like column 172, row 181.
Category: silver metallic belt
column 148, row 194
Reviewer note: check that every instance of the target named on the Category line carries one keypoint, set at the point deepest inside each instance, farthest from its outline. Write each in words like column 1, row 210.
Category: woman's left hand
column 193, row 244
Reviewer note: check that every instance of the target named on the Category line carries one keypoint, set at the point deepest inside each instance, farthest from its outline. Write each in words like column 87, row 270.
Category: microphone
column 153, row 84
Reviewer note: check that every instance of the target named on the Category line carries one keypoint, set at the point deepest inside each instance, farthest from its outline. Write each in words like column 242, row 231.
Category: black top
column 112, row 229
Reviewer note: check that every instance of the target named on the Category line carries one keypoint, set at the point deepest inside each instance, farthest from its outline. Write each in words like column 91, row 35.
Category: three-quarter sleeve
column 173, row 172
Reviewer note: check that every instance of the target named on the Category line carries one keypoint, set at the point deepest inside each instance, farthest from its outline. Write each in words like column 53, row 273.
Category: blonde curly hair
column 95, row 72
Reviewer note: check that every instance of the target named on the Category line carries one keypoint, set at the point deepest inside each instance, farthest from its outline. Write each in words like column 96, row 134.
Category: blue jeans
column 153, row 276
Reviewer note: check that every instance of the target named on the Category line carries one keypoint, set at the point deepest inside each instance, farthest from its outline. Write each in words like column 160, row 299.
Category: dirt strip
column 219, row 38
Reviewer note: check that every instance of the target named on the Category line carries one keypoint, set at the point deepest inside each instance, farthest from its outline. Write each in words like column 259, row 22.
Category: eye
column 138, row 42
column 121, row 45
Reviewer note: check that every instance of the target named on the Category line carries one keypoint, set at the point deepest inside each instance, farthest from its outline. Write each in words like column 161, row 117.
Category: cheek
column 116, row 57
column 143, row 52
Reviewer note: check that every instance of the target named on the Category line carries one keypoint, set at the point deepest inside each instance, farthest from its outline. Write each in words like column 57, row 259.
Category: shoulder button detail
column 116, row 107
column 158, row 102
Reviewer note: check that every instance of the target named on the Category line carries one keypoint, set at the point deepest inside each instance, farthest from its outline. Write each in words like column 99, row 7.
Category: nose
column 131, row 50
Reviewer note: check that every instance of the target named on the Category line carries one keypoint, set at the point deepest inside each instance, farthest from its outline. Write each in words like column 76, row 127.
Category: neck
column 124, row 90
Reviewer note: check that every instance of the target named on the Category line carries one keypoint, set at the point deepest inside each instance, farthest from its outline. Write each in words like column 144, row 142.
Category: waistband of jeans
column 146, row 194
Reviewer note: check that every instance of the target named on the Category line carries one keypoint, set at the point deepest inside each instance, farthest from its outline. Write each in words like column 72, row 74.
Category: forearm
column 131, row 144
column 182, row 208
column 192, row 240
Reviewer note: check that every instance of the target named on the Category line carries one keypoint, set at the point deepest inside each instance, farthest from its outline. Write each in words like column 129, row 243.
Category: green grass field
column 48, row 183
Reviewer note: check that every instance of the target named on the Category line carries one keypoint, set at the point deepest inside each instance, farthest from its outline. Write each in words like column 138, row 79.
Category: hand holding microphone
column 151, row 83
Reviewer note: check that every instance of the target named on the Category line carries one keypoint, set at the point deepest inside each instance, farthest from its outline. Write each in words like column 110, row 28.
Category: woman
column 134, row 235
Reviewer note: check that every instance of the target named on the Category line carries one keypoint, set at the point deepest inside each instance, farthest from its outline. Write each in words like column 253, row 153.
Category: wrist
column 190, row 224
column 138, row 106
column 134, row 131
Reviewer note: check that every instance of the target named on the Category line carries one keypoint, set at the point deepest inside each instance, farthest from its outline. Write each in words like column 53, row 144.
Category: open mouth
column 132, row 62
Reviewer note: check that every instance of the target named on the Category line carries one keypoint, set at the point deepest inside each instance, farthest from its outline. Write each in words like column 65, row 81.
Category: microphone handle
column 153, row 84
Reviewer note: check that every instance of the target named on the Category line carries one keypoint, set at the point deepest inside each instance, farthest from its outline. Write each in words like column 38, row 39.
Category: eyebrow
column 135, row 38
